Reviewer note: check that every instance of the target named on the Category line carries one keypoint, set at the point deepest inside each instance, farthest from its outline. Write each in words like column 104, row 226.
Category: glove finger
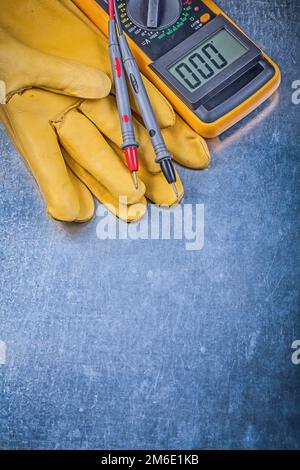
column 129, row 213
column 188, row 147
column 158, row 190
column 104, row 114
column 22, row 67
column 42, row 154
column 82, row 140
column 86, row 200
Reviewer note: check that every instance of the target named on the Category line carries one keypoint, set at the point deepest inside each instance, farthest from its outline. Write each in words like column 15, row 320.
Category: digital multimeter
column 196, row 56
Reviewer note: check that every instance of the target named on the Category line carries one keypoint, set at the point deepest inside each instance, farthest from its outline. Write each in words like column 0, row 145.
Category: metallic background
column 143, row 345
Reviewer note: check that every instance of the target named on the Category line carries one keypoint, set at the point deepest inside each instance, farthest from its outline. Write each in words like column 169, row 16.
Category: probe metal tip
column 175, row 190
column 135, row 179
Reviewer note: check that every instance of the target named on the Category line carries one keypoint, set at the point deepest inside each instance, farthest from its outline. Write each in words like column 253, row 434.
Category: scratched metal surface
column 127, row 345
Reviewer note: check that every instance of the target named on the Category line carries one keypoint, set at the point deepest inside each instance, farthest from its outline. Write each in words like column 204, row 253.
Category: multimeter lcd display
column 207, row 60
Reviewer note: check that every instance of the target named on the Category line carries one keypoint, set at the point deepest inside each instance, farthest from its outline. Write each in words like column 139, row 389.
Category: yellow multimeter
column 196, row 56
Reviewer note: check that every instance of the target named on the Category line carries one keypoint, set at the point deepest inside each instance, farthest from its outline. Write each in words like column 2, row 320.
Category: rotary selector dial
column 154, row 14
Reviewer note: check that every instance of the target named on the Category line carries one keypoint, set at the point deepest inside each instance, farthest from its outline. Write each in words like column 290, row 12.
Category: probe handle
column 129, row 142
column 163, row 156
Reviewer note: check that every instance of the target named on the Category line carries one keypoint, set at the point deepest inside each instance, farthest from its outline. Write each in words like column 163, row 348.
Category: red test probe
column 130, row 144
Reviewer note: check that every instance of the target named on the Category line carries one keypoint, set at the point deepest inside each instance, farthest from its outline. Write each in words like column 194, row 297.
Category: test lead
column 163, row 156
column 130, row 144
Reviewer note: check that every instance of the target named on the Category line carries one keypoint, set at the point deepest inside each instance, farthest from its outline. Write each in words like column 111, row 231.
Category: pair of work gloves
column 58, row 105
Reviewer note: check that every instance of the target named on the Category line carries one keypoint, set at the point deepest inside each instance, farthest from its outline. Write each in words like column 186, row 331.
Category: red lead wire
column 111, row 10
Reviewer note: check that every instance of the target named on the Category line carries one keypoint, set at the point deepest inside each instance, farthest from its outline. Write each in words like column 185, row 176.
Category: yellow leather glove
column 54, row 69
